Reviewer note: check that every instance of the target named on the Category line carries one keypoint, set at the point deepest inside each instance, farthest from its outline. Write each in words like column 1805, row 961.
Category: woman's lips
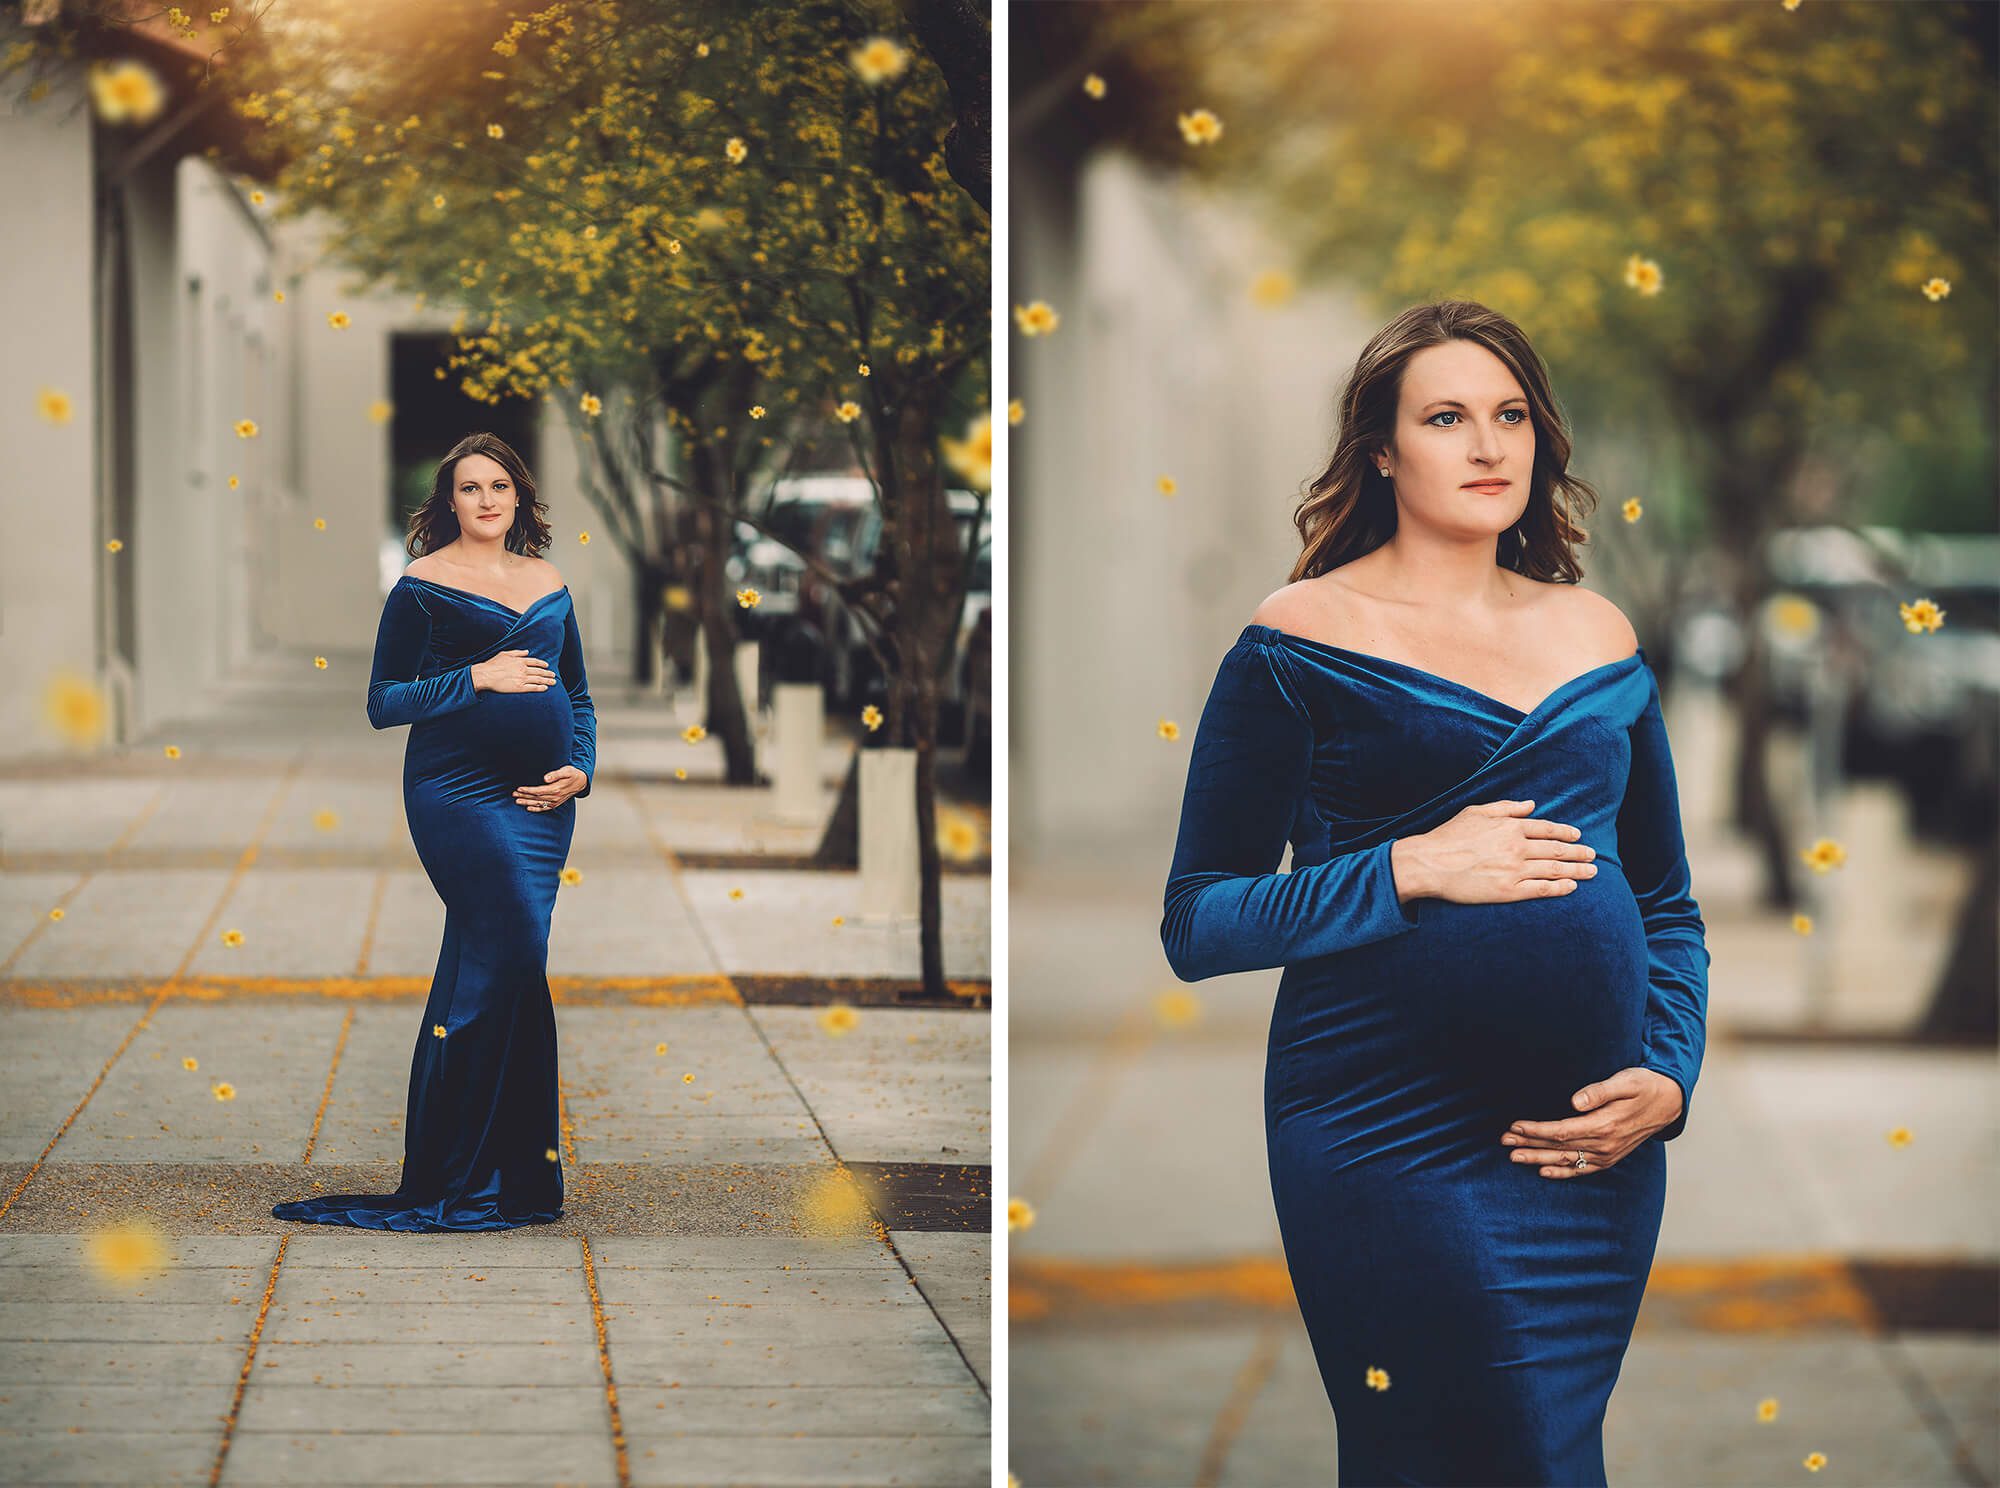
column 492, row 516
column 1493, row 485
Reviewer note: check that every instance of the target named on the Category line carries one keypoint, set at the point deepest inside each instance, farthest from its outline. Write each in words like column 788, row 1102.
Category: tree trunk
column 715, row 602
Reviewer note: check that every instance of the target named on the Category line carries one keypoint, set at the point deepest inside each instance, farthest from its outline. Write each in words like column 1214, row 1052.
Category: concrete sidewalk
column 777, row 1273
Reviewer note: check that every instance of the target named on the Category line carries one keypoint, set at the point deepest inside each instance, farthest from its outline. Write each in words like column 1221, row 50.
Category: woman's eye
column 1453, row 413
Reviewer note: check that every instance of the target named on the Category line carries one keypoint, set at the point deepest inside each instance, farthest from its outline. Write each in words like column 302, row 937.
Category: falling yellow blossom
column 1767, row 1409
column 862, row 369
column 694, row 733
column 838, row 1017
column 680, row 773
column 235, row 481
column 116, row 544
column 847, row 411
column 1177, row 1007
column 126, row 92
column 278, row 296
column 494, row 131
column 338, row 319
column 320, row 662
column 438, row 200
column 128, row 1251
column 879, row 59
column 1920, row 615
column 1795, row 615
column 1900, row 1136
column 1378, row 1379
column 736, row 893
column 871, row 718
column 55, row 406
column 256, row 198
column 591, row 404
column 688, row 1078
column 1936, row 289
column 190, row 1063
column 659, row 1048
column 1093, row 85
column 1814, row 1461
column 584, row 538
column 736, row 150
column 1272, row 288
column 834, row 1204
column 1643, row 275
column 958, row 834
column 972, row 456
column 840, row 919
column 550, row 1154
column 1020, row 1214
column 1016, row 410
column 319, row 524
column 223, row 1090
column 232, row 937
column 1791, row 4
column 1200, row 127
column 1168, row 729
column 571, row 875
column 1824, row 854
column 747, row 598
column 74, row 708
column 1631, row 509
column 1803, row 923
column 1168, row 485
column 1037, row 318
column 246, row 428
column 326, row 819
column 756, row 410
column 673, row 245
column 437, row 1030
column 380, row 411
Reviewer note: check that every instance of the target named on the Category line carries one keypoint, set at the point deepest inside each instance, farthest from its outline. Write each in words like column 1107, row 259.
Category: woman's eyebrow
column 1454, row 403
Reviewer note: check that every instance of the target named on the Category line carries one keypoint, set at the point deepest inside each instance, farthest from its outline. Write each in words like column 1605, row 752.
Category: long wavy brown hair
column 434, row 524
column 1350, row 510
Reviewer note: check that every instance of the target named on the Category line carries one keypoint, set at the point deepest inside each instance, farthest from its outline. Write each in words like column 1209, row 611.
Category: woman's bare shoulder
column 1585, row 612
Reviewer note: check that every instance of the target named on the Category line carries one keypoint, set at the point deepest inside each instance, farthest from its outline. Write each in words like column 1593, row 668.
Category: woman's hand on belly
column 1623, row 1111
column 566, row 780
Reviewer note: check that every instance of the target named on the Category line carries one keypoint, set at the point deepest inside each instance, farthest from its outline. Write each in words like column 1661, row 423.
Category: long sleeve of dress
column 583, row 743
column 396, row 694
column 1227, row 909
column 1655, row 863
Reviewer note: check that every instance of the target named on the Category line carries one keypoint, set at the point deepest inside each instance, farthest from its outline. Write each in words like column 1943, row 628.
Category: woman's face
column 482, row 498
column 1461, row 417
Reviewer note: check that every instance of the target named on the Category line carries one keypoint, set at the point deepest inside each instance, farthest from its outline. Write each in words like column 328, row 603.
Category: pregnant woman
column 1495, row 973
column 479, row 653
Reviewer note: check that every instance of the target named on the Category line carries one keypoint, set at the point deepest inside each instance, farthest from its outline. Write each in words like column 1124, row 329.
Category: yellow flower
column 1093, row 85
column 126, row 1252
column 1630, row 510
column 338, row 319
column 848, row 411
column 1016, row 411
column 246, row 428
column 437, row 1030
column 838, row 1018
column 862, row 369
column 673, row 245
column 56, row 913
column 438, row 200
column 1200, row 127
column 1020, row 1214
column 319, row 524
column 224, row 1090
column 591, row 404
column 232, row 937
column 680, row 773
column 694, row 733
column 278, row 296
column 325, row 819
column 972, row 456
column 126, row 92
column 1936, row 289
column 320, row 662
column 54, row 405
column 736, row 893
column 235, row 481
column 380, row 410
column 659, row 1048
column 1814, row 1461
column 1767, row 1409
column 74, row 707
column 1177, row 1007
column 958, row 834
column 1824, row 854
column 571, row 875
column 1803, row 923
column 878, row 59
column 687, row 1079
column 1791, row 4
column 190, row 1063
column 1377, row 1379
column 1168, row 485
column 840, row 919
column 1795, row 615
column 116, row 544
column 584, row 538
column 1272, row 288
column 747, row 598
column 494, row 131
column 871, row 718
column 1037, row 318
column 736, row 150
column 701, row 49
column 1900, row 1137
column 256, row 198
column 550, row 1154
column 1168, row 729
column 1920, row 615
column 1643, row 275
column 756, row 410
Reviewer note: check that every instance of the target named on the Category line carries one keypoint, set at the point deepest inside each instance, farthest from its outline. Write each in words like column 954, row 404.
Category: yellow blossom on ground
column 256, row 198
column 338, row 319
column 847, row 411
column 1020, row 1214
column 838, row 1017
column 116, row 544
column 1168, row 729
column 1093, row 85
column 325, row 819
column 1016, row 411
column 1936, row 289
column 571, row 875
column 694, row 733
column 55, row 406
column 736, row 150
column 1900, row 1137
column 972, row 456
column 1200, row 127
column 223, row 1090
column 1803, row 923
column 1272, row 288
column 879, row 59
column 871, row 718
column 1168, row 485
column 128, row 1251
column 1177, row 1007
column 1814, row 1461
column 190, row 1063
column 1377, row 1379
column 1037, row 318
column 747, row 598
column 232, row 937
column 591, row 404
column 246, row 428
column 1631, row 509
column 1643, row 275
column 1824, row 854
column 1767, row 1409
column 1921, row 615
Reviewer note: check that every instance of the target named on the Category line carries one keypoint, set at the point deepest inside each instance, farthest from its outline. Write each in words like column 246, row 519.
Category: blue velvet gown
column 483, row 1115
column 1407, row 1036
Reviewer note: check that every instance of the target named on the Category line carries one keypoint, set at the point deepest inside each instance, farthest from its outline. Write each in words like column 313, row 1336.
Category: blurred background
column 1755, row 242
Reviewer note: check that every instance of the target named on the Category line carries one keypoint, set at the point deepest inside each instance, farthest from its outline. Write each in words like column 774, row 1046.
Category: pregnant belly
column 520, row 736
column 1494, row 1011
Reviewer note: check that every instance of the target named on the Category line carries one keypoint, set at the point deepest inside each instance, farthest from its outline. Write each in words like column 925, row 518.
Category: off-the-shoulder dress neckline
column 475, row 594
column 1370, row 659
